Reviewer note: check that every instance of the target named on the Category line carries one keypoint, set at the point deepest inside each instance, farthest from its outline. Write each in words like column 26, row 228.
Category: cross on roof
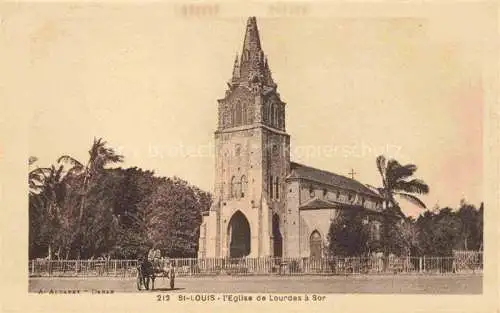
column 352, row 173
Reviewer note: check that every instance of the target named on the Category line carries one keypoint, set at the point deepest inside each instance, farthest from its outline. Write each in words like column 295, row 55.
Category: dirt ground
column 397, row 284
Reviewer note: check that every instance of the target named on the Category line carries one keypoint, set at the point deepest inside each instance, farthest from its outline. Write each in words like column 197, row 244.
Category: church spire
column 251, row 44
column 252, row 67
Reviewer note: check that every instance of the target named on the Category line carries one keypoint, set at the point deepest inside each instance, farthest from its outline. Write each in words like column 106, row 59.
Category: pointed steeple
column 251, row 96
column 252, row 40
column 252, row 67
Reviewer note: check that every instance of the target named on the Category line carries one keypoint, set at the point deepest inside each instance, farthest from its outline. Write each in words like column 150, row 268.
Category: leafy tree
column 443, row 230
column 85, row 211
column 431, row 239
column 99, row 223
column 172, row 217
column 403, row 237
column 348, row 235
column 479, row 226
column 471, row 231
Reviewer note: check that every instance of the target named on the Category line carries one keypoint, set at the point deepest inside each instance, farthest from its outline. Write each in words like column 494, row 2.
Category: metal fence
column 265, row 266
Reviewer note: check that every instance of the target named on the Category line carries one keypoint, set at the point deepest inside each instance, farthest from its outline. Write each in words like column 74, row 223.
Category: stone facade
column 264, row 205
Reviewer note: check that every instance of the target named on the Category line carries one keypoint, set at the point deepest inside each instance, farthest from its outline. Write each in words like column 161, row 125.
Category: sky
column 147, row 81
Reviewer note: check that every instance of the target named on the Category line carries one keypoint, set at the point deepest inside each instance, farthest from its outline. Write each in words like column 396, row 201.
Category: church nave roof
column 328, row 178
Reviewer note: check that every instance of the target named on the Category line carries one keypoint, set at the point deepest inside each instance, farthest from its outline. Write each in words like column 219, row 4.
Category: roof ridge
column 317, row 199
column 345, row 182
column 328, row 172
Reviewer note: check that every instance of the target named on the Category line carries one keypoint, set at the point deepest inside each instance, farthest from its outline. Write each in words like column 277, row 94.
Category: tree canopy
column 88, row 210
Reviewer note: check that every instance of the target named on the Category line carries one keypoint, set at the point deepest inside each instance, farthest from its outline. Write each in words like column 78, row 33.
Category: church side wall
column 208, row 236
column 311, row 190
column 291, row 230
column 312, row 220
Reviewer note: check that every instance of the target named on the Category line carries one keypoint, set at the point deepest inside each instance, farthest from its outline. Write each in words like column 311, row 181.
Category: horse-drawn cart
column 147, row 272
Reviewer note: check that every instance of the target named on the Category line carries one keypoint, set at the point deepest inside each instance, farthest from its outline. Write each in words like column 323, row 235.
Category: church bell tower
column 252, row 160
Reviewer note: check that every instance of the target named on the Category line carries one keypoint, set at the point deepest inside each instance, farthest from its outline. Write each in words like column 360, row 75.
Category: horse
column 148, row 271
column 145, row 273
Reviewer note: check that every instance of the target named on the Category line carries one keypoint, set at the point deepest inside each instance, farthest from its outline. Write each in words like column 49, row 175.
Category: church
column 264, row 204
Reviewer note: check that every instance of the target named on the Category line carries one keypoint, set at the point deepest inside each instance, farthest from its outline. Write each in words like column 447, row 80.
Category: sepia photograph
column 195, row 155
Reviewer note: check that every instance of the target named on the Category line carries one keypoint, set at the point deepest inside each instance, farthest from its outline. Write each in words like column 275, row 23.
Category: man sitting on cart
column 154, row 256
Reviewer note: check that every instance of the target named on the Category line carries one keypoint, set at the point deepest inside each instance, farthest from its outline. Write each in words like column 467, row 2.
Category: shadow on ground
column 167, row 289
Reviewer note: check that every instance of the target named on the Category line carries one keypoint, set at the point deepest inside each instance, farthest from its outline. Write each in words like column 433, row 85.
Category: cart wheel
column 139, row 282
column 172, row 281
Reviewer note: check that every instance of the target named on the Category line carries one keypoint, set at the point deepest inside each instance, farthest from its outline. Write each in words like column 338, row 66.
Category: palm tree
column 397, row 181
column 36, row 176
column 99, row 157
column 50, row 189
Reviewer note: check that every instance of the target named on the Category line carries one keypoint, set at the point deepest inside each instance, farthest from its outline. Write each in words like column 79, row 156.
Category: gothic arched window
column 315, row 245
column 244, row 184
column 238, row 189
column 271, row 113
column 237, row 114
column 233, row 187
column 280, row 117
column 275, row 120
column 271, row 187
column 277, row 189
column 243, row 115
column 227, row 118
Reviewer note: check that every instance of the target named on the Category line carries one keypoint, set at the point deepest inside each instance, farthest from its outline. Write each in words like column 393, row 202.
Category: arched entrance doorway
column 277, row 238
column 315, row 243
column 239, row 236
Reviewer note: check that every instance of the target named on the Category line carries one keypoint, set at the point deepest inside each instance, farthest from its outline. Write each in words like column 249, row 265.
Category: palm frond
column 59, row 173
column 412, row 186
column 393, row 166
column 100, row 155
column 95, row 149
column 75, row 171
column 71, row 160
column 32, row 159
column 382, row 167
column 412, row 199
column 41, row 171
column 403, row 171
